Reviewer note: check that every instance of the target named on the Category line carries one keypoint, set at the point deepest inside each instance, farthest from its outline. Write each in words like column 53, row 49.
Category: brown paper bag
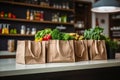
column 30, row 52
column 97, row 50
column 60, row 51
column 81, row 50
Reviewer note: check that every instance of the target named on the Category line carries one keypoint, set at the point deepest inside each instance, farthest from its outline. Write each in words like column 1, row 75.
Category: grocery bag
column 60, row 51
column 81, row 50
column 30, row 52
column 97, row 50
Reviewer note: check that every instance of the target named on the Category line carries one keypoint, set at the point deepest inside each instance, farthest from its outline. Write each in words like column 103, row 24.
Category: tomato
column 47, row 37
column 13, row 16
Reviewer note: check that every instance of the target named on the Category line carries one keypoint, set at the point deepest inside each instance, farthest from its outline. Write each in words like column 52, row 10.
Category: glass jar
column 11, row 45
column 80, row 24
column 33, row 31
column 22, row 31
column 64, row 18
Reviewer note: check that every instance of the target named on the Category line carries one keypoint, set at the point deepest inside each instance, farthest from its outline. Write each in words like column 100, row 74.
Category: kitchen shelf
column 20, row 7
column 114, row 23
column 35, row 21
column 115, row 30
column 7, row 54
column 21, row 35
column 117, row 19
column 80, row 28
column 36, row 6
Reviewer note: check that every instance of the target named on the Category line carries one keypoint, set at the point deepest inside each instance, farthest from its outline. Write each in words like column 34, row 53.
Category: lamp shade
column 106, row 6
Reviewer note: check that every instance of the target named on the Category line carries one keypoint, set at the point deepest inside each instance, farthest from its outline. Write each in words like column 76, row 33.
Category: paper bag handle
column 96, row 47
column 102, row 47
column 83, row 49
column 60, row 50
column 29, row 47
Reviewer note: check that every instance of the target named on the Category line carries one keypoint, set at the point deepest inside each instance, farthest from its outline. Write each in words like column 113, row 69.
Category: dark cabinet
column 82, row 15
column 114, row 27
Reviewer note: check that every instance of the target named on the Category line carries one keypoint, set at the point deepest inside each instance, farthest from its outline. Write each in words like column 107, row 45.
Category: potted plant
column 111, row 47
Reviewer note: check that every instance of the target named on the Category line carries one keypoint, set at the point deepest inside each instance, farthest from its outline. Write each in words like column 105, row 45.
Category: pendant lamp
column 106, row 6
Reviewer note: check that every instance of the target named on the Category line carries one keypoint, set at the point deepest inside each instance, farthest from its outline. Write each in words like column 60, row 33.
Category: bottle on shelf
column 41, row 15
column 55, row 17
column 47, row 2
column 22, row 31
column 67, row 5
column 63, row 5
column 54, row 5
column 44, row 3
column 31, row 15
column 59, row 19
column 64, row 18
column 13, row 31
column 35, row 15
column 2, row 14
column 28, row 14
column 5, row 15
column 28, row 31
column 59, row 6
column 9, row 15
column 5, row 29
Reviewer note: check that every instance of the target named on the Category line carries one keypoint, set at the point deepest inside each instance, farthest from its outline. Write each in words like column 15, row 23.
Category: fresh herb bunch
column 94, row 34
column 57, row 35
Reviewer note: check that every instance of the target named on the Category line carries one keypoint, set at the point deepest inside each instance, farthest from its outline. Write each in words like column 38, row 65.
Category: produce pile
column 55, row 34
